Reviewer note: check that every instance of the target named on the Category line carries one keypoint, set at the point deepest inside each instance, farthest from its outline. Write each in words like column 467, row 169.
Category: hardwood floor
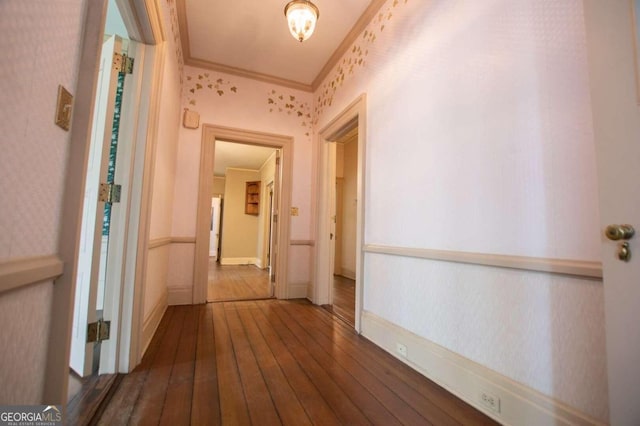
column 237, row 282
column 274, row 362
column 344, row 299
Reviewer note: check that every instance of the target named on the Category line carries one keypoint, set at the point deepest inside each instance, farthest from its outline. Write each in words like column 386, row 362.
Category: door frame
column 352, row 115
column 61, row 319
column 211, row 133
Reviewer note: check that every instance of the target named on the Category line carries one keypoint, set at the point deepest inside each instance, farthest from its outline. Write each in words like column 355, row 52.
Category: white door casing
column 210, row 134
column 616, row 125
column 352, row 115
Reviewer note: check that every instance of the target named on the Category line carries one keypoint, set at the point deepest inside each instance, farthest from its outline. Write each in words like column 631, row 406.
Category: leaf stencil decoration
column 354, row 59
column 204, row 83
column 289, row 104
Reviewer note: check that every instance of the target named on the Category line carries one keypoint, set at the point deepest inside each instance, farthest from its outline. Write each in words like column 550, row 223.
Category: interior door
column 333, row 204
column 215, row 227
column 616, row 120
column 81, row 360
column 275, row 212
column 337, row 256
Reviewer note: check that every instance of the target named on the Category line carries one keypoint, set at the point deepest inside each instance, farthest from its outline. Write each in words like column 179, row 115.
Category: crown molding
column 183, row 27
column 241, row 72
column 357, row 28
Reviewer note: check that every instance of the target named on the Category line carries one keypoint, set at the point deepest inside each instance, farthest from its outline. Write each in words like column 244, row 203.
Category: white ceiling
column 253, row 36
column 241, row 156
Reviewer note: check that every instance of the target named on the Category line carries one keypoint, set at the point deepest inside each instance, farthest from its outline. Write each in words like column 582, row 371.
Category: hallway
column 344, row 299
column 237, row 282
column 274, row 362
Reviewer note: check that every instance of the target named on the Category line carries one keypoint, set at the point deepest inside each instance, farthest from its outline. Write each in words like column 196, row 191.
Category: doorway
column 341, row 149
column 112, row 159
column 213, row 136
column 239, row 245
column 344, row 211
column 99, row 260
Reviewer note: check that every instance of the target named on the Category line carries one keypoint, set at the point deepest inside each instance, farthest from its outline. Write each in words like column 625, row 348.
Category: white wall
column 40, row 43
column 479, row 139
column 158, row 266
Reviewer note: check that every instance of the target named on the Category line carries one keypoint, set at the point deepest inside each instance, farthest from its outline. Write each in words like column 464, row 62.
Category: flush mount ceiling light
column 301, row 16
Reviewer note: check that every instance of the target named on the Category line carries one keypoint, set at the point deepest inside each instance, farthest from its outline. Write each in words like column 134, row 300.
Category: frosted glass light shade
column 301, row 16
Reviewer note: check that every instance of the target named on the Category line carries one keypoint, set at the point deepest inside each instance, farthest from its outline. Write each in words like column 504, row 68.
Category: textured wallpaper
column 40, row 44
column 479, row 139
column 24, row 315
column 543, row 330
column 40, row 47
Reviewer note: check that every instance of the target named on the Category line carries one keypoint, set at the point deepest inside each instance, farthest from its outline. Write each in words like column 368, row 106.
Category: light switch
column 64, row 108
column 294, row 211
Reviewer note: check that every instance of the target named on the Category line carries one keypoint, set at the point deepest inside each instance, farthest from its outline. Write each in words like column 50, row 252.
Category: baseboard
column 151, row 323
column 180, row 295
column 258, row 263
column 297, row 291
column 348, row 274
column 238, row 261
column 518, row 404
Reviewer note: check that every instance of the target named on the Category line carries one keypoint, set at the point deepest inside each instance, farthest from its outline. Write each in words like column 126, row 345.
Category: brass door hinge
column 109, row 193
column 98, row 331
column 122, row 63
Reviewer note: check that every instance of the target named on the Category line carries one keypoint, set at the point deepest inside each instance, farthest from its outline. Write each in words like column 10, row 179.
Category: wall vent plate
column 191, row 119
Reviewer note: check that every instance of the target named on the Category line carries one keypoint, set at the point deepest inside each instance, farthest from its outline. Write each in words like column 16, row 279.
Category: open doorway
column 345, row 206
column 241, row 263
column 211, row 135
column 340, row 220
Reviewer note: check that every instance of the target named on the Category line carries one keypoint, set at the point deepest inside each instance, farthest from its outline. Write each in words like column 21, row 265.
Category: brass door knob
column 619, row 232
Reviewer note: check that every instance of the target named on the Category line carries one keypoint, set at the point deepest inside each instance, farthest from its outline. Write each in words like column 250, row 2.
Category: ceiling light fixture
column 301, row 16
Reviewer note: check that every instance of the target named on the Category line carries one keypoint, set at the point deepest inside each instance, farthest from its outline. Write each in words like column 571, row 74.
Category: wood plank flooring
column 237, row 282
column 92, row 392
column 274, row 362
column 344, row 299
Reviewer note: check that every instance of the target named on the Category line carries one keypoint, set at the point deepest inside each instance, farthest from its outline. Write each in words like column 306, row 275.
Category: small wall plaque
column 64, row 108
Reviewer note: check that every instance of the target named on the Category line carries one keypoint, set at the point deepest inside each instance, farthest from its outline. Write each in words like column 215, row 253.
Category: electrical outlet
column 490, row 401
column 401, row 349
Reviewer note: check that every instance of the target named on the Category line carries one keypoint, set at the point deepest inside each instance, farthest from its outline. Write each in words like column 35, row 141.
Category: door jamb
column 61, row 320
column 209, row 135
column 336, row 128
